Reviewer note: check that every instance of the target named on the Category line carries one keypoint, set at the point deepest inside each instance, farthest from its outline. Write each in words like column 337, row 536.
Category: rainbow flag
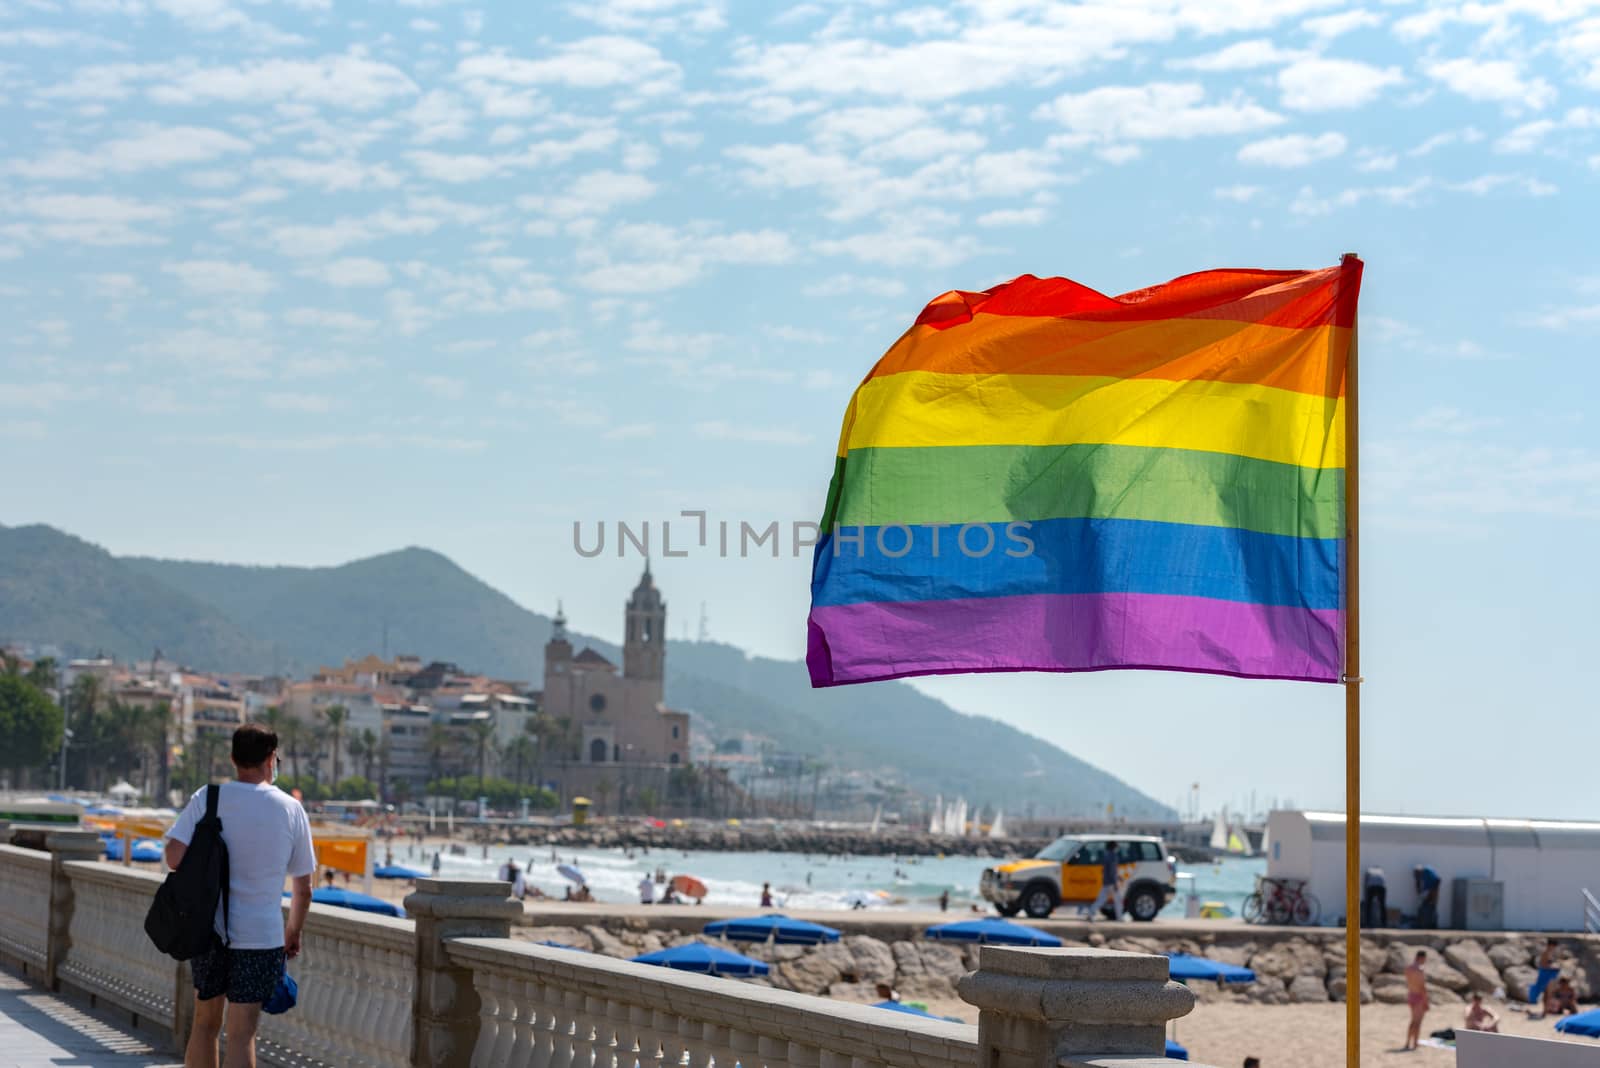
column 1040, row 477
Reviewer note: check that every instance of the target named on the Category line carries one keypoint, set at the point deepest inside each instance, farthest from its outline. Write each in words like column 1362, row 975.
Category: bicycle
column 1285, row 901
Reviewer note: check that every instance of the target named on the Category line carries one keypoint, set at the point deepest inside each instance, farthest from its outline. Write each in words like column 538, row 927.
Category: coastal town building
column 622, row 715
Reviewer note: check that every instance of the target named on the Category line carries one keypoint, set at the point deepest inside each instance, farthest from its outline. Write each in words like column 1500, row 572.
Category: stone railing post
column 1066, row 1008
column 62, row 847
column 5, row 832
column 444, row 1008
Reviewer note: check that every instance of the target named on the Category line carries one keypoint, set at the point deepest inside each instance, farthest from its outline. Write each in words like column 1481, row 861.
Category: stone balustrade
column 24, row 906
column 356, row 973
column 450, row 989
column 546, row 1006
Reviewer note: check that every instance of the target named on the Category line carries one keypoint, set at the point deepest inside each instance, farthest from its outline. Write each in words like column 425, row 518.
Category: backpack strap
column 213, row 794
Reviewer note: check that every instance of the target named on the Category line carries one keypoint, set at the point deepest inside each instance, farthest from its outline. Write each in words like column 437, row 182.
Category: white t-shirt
column 268, row 837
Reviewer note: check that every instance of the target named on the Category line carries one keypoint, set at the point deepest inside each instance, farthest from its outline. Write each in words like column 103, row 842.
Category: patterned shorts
column 247, row 976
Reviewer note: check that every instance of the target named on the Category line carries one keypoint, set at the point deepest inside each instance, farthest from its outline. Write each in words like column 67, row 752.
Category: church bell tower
column 644, row 649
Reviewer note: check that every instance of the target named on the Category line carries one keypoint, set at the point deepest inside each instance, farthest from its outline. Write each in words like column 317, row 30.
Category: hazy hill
column 56, row 588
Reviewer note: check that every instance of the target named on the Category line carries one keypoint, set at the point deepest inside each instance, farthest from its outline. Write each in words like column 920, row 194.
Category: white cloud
column 322, row 319
column 591, row 63
column 595, row 193
column 221, row 277
column 439, row 116
column 852, row 285
column 309, row 403
column 1293, row 150
column 902, row 246
column 1012, row 217
column 1242, row 55
column 1532, row 135
column 329, row 175
column 1308, row 202
column 1497, row 81
column 1327, row 27
column 38, row 396
column 1328, row 84
column 442, row 386
column 1154, row 111
column 350, row 271
column 350, row 81
column 630, row 432
column 150, row 148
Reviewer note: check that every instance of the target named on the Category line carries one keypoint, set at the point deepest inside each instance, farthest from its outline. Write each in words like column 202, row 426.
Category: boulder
column 1307, row 988
column 814, row 972
column 871, row 961
column 1266, row 990
column 1232, row 954
column 1519, row 979
column 1336, row 989
column 1443, row 995
column 1389, row 989
column 927, row 967
column 603, row 941
column 1469, row 958
column 1441, row 974
column 1277, row 961
column 1513, row 951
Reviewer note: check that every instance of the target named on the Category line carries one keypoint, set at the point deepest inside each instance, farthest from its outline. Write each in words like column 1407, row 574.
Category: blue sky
column 301, row 282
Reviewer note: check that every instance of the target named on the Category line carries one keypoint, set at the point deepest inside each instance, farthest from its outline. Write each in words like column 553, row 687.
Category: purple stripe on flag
column 1073, row 632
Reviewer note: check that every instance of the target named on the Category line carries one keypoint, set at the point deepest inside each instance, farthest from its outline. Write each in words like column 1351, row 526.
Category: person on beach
column 1375, row 898
column 1110, row 876
column 1480, row 1017
column 766, row 895
column 268, row 839
column 944, row 901
column 886, row 992
column 647, row 891
column 1427, row 882
column 1547, row 971
column 519, row 885
column 436, row 862
column 1416, row 997
column 1560, row 998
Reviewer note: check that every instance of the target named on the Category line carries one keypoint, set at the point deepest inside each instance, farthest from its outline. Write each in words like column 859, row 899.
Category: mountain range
column 59, row 590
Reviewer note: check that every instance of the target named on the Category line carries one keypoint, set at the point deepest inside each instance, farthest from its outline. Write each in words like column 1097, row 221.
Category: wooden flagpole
column 1352, row 713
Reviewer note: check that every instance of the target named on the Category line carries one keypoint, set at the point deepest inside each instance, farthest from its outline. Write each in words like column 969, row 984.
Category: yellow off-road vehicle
column 1067, row 872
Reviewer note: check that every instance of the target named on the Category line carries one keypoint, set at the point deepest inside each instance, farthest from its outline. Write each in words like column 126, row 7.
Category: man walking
column 268, row 837
column 1110, row 876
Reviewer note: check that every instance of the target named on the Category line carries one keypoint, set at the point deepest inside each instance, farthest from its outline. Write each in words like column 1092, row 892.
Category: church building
column 622, row 715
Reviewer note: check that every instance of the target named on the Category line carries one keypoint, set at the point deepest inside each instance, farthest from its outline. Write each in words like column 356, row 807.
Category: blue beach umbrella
column 1183, row 967
column 991, row 932
column 1584, row 1023
column 349, row 899
column 1176, row 1052
column 397, row 871
column 147, row 851
column 900, row 1006
column 779, row 928
column 704, row 959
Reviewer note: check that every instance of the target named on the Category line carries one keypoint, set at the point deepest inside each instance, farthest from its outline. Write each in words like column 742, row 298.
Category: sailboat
column 1219, row 831
column 997, row 829
column 1238, row 840
column 877, row 814
column 936, row 824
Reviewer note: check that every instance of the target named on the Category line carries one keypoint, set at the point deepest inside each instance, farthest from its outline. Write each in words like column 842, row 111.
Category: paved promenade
column 38, row 1029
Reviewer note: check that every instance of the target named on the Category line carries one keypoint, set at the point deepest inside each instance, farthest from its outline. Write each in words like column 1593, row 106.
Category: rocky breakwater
column 750, row 838
column 1291, row 967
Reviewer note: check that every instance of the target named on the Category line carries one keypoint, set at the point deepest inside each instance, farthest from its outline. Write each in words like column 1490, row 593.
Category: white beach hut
column 1544, row 866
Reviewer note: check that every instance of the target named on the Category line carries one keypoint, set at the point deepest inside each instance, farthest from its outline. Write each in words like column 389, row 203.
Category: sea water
column 799, row 880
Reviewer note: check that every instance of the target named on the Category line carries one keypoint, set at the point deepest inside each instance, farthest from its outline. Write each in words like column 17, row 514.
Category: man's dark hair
column 252, row 744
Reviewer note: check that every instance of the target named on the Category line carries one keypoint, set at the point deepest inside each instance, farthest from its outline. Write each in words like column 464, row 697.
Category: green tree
column 521, row 751
column 482, row 736
column 439, row 744
column 356, row 788
column 30, row 724
column 335, row 716
column 648, row 800
column 43, row 674
column 293, row 736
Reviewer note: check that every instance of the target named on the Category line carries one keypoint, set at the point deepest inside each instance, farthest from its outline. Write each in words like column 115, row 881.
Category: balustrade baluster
column 492, row 1030
column 621, row 1016
column 745, row 1048
column 548, row 1005
column 693, row 1034
column 525, row 992
column 774, row 1052
column 583, row 1029
column 644, row 1034
column 830, row 1059
column 802, row 1055
column 666, row 1025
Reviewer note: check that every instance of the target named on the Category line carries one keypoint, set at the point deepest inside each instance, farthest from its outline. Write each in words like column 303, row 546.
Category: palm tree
column 335, row 716
column 521, row 751
column 439, row 743
column 482, row 734
column 366, row 745
column 293, row 735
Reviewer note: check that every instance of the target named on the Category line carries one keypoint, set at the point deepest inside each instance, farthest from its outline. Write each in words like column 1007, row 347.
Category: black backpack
column 182, row 918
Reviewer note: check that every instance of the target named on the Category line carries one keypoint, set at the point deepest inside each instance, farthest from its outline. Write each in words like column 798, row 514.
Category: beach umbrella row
column 1584, row 1023
column 705, row 959
column 991, row 932
column 1183, row 967
column 776, row 928
column 350, row 899
column 398, row 871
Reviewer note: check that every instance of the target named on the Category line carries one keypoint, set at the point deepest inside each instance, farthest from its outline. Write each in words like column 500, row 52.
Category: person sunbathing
column 1560, row 997
column 1480, row 1017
